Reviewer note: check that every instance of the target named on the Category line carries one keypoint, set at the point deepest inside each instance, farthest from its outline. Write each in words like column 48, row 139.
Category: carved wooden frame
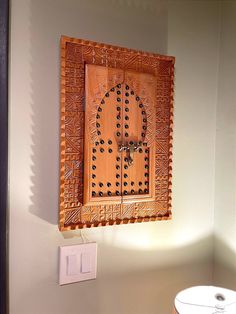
column 75, row 53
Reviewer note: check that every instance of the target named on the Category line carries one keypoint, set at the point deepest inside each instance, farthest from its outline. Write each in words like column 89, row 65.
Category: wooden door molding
column 79, row 126
column 4, row 35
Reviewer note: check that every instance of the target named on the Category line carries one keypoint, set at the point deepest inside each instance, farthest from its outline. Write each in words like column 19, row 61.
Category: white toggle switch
column 85, row 262
column 78, row 263
column 72, row 266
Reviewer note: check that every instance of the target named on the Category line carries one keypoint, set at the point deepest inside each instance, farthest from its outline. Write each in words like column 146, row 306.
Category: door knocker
column 130, row 148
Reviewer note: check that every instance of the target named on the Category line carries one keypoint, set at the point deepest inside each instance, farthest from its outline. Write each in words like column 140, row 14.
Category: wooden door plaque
column 116, row 135
column 119, row 152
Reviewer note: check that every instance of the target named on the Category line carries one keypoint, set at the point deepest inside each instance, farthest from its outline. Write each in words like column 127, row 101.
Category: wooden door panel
column 138, row 128
column 119, row 159
column 102, row 162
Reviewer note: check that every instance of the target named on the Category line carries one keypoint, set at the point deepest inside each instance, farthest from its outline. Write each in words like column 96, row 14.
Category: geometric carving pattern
column 75, row 53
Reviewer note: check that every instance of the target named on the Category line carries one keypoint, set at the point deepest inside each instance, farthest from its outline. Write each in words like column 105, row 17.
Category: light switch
column 72, row 267
column 85, row 262
column 77, row 263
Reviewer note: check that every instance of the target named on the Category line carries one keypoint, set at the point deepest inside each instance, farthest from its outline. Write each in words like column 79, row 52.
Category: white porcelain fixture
column 206, row 300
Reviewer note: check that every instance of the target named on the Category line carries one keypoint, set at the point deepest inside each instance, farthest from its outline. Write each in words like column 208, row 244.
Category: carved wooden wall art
column 116, row 135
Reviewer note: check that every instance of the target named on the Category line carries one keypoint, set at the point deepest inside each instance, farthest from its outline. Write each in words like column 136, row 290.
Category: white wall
column 225, row 192
column 140, row 267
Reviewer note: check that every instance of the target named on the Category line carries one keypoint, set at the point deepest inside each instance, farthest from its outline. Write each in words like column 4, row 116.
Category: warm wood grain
column 99, row 82
column 75, row 178
column 112, row 97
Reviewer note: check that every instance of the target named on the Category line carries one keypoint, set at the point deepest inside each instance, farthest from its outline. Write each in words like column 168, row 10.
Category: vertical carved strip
column 171, row 137
column 62, row 138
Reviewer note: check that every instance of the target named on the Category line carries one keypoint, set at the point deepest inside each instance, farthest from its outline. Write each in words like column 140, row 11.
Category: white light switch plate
column 77, row 262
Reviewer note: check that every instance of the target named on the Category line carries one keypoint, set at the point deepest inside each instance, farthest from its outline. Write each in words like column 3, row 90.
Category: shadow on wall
column 224, row 264
column 128, row 282
column 135, row 24
column 143, row 293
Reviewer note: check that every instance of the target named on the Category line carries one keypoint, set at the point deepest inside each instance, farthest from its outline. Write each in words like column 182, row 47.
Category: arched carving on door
column 119, row 158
